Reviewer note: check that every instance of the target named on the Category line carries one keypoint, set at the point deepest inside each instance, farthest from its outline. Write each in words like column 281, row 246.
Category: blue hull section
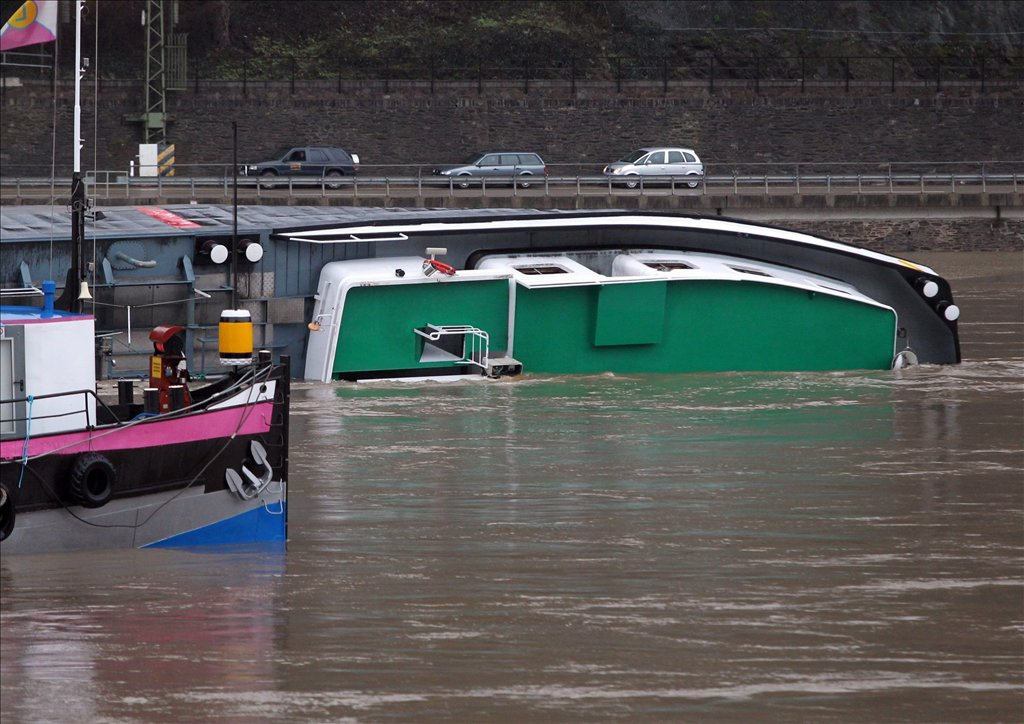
column 259, row 525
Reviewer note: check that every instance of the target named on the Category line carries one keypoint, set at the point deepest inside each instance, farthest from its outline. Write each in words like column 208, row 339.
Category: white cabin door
column 7, row 424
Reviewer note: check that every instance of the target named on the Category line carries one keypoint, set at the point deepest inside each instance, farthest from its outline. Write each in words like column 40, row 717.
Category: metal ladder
column 476, row 352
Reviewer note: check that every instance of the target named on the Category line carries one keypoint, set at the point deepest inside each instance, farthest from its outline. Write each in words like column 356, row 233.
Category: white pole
column 78, row 86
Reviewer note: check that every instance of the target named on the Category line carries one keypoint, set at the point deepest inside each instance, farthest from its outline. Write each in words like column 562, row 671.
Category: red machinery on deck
column 167, row 369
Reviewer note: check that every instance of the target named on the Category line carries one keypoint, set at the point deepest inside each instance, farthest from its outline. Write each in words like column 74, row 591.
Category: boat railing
column 26, row 403
column 111, row 415
column 21, row 292
column 475, row 342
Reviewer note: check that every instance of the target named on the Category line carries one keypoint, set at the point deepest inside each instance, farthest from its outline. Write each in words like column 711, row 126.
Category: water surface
column 814, row 547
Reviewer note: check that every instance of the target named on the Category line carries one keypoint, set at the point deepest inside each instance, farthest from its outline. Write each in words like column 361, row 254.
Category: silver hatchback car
column 681, row 163
column 522, row 166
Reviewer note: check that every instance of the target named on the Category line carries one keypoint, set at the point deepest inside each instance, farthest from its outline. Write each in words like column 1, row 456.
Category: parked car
column 676, row 162
column 320, row 162
column 518, row 165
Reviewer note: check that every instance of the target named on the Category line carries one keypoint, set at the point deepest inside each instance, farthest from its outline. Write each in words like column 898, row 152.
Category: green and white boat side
column 366, row 311
column 650, row 312
column 667, row 312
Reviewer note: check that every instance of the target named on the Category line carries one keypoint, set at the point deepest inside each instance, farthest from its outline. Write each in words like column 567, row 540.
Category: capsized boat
column 623, row 292
column 185, row 466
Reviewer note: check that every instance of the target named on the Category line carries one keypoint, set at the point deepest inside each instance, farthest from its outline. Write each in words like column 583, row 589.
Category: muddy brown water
column 805, row 547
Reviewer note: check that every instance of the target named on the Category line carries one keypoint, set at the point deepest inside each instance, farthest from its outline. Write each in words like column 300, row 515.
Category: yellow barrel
column 235, row 334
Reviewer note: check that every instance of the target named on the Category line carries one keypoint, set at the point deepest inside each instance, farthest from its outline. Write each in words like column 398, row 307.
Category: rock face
column 725, row 78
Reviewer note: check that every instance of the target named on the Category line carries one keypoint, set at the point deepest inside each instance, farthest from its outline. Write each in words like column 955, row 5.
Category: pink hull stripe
column 205, row 426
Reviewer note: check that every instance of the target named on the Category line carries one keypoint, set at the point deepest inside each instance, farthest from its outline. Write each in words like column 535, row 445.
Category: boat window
column 540, row 269
column 665, row 266
column 744, row 270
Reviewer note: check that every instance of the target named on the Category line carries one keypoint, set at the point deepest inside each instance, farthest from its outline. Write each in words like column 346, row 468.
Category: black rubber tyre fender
column 92, row 480
column 6, row 512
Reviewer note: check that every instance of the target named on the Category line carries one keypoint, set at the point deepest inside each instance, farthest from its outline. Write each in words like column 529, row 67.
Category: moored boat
column 186, row 466
column 614, row 292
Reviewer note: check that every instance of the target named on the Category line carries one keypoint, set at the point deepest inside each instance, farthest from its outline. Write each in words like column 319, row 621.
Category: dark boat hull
column 155, row 482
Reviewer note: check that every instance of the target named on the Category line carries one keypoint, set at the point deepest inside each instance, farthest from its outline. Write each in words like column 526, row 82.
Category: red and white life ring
column 433, row 266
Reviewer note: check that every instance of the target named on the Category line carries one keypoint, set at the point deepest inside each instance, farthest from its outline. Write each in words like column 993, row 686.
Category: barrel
column 235, row 333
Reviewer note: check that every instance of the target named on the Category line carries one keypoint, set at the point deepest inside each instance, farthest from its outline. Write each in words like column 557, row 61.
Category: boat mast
column 71, row 297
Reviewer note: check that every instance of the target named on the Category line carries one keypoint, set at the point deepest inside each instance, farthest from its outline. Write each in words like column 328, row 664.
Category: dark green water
column 802, row 547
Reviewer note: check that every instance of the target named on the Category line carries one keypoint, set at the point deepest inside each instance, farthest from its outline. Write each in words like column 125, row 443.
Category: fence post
column 572, row 74
column 711, row 74
column 479, row 79
column 757, row 74
column 195, row 86
column 983, row 74
column 892, row 75
column 387, row 78
column 846, row 72
column 339, row 74
column 432, row 75
column 618, row 75
column 803, row 72
column 245, row 76
column 526, row 76
column 293, row 74
column 938, row 75
column 664, row 75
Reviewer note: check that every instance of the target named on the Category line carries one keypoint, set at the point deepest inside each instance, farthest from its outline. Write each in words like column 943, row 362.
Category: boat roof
column 318, row 224
column 46, row 223
column 18, row 314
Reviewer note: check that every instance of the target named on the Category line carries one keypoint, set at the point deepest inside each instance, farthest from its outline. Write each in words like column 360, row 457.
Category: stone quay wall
column 573, row 132
column 592, row 126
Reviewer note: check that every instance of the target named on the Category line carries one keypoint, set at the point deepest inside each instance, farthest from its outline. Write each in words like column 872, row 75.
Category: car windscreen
column 635, row 156
column 281, row 153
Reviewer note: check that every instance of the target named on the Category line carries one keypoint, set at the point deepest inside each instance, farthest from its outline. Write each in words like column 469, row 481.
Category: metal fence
column 759, row 73
column 405, row 181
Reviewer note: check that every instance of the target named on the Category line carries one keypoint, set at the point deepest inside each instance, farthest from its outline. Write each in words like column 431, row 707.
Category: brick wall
column 594, row 127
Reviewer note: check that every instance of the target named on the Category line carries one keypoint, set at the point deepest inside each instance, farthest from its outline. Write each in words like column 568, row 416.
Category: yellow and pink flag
column 32, row 23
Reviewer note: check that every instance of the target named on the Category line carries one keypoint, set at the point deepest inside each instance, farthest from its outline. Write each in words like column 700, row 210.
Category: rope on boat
column 280, row 503
column 226, row 392
column 28, row 434
column 247, row 409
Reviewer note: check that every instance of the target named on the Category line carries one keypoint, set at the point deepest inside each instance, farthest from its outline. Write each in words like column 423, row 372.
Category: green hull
column 655, row 326
column 376, row 333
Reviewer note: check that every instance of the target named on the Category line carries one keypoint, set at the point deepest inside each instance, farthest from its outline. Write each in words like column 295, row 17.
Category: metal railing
column 344, row 73
column 404, row 181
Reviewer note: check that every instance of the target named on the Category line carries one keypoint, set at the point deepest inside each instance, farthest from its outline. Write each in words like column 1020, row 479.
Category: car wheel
column 632, row 182
column 463, row 183
column 332, row 179
column 524, row 183
column 693, row 184
column 266, row 179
